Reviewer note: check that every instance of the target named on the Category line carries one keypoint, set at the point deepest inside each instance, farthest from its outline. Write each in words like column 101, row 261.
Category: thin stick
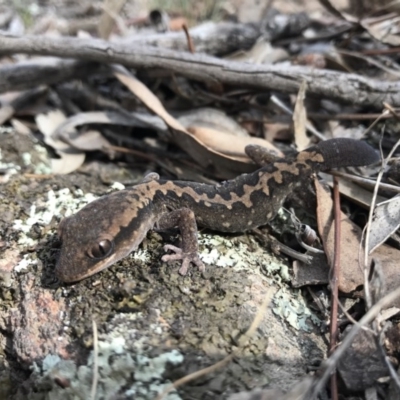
column 334, row 332
column 95, row 361
column 188, row 38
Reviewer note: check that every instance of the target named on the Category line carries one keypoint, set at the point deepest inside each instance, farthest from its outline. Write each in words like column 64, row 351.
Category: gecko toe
column 173, row 248
column 186, row 258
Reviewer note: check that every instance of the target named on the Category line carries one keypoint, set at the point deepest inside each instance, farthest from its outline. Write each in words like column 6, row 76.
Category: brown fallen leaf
column 351, row 271
column 224, row 142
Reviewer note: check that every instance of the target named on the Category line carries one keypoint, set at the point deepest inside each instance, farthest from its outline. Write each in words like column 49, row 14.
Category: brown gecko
column 113, row 226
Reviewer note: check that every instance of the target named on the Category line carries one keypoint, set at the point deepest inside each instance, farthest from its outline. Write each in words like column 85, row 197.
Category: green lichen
column 291, row 306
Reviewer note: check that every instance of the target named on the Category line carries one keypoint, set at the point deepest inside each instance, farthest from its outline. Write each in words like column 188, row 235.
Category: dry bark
column 339, row 86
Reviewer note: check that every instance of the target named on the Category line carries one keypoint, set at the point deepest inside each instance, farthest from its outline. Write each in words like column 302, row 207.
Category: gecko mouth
column 68, row 270
column 71, row 276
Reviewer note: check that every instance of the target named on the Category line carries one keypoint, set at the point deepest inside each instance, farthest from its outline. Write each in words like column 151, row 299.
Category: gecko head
column 84, row 250
column 97, row 236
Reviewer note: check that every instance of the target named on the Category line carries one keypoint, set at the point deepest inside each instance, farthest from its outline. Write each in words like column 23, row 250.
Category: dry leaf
column 107, row 21
column 90, row 140
column 351, row 274
column 387, row 261
column 386, row 29
column 67, row 132
column 229, row 145
column 208, row 117
column 149, row 99
column 70, row 159
column 386, row 221
column 20, row 127
column 300, row 119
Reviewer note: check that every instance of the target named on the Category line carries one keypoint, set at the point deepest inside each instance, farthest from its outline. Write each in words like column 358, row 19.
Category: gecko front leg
column 185, row 220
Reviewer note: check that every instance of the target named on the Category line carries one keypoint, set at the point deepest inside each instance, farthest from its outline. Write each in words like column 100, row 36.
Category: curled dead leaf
column 227, row 166
column 70, row 158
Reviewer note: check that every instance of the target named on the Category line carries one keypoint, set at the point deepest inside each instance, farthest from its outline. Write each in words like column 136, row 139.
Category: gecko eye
column 101, row 249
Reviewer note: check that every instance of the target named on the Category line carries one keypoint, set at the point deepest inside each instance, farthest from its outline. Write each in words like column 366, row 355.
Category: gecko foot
column 186, row 258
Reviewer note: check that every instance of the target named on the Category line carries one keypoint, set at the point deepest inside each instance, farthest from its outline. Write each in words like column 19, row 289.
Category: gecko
column 111, row 227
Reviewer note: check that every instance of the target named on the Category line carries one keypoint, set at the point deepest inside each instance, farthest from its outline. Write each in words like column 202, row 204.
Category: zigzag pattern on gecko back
column 111, row 227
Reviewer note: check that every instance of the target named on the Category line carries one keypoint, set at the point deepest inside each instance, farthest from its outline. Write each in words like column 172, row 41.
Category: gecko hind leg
column 185, row 220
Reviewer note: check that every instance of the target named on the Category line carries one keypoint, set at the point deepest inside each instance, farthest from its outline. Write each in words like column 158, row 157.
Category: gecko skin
column 114, row 225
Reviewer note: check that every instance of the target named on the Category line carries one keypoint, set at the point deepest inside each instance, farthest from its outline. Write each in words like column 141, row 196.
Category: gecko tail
column 345, row 152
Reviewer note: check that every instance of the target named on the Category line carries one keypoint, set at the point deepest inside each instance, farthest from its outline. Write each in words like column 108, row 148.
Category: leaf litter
column 200, row 129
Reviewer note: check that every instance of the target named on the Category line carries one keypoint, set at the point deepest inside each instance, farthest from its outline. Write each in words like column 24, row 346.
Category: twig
column 334, row 283
column 348, row 116
column 188, row 38
column 95, row 361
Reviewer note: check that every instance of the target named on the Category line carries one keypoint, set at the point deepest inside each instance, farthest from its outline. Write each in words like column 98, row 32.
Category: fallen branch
column 348, row 88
